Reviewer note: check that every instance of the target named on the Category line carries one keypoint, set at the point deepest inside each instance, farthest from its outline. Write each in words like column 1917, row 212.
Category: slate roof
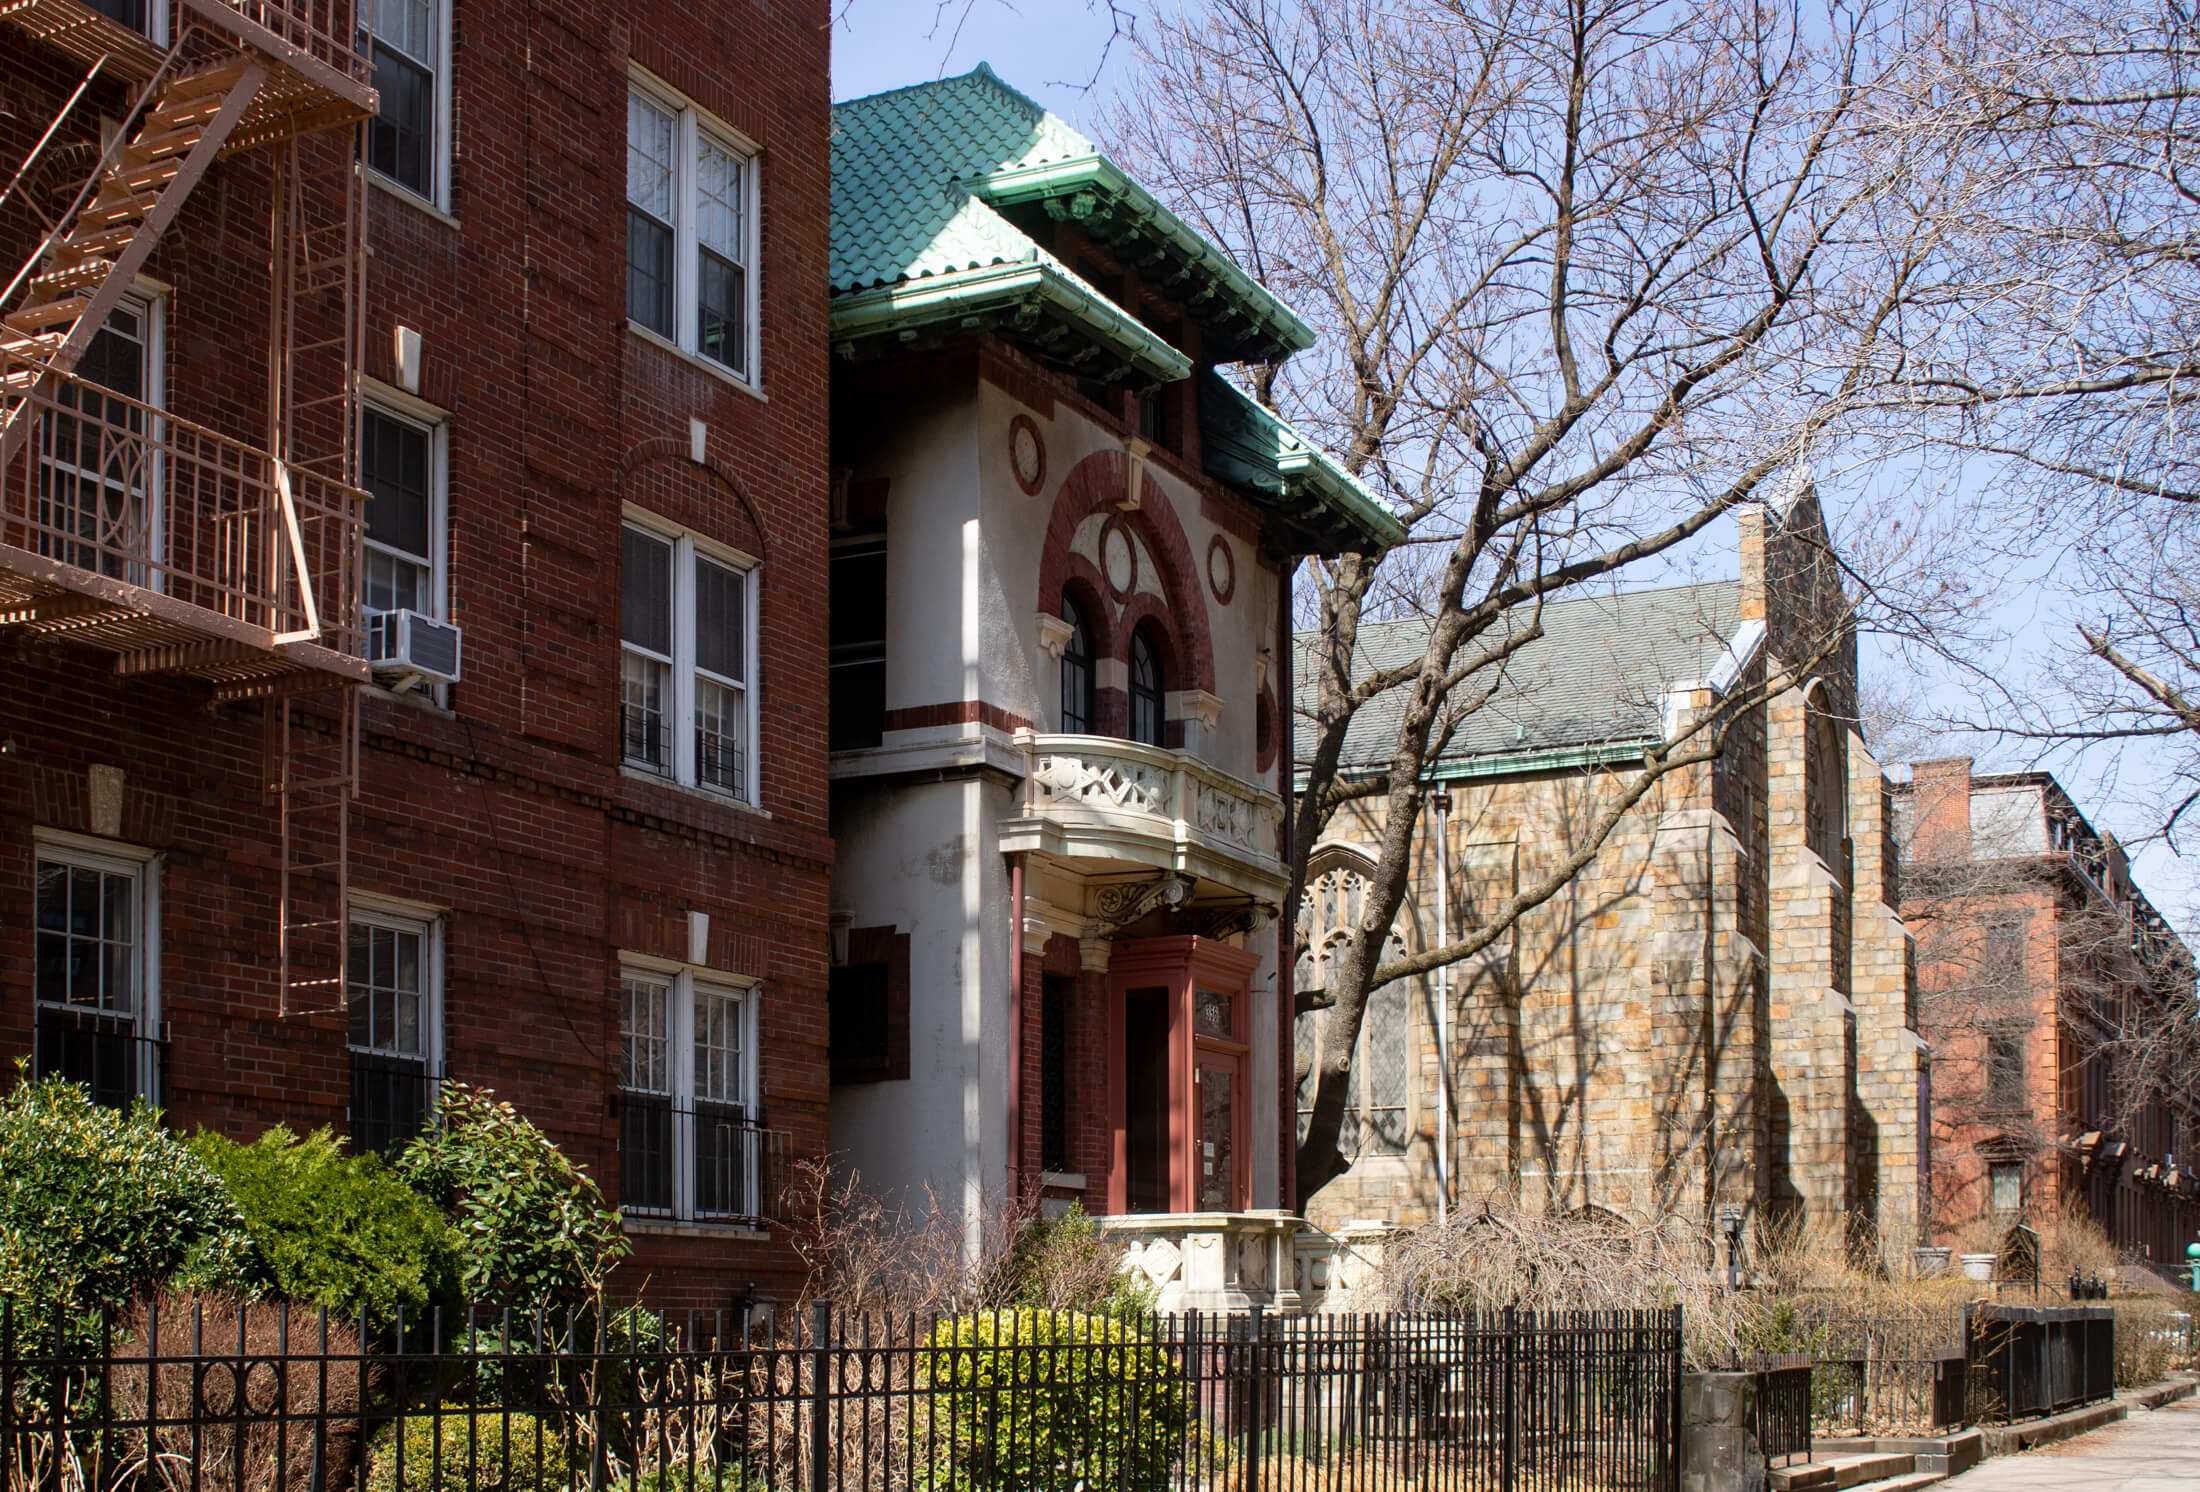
column 1592, row 679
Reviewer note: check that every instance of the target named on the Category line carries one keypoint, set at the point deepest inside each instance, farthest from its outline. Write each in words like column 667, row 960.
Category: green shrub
column 1066, row 1264
column 532, row 1226
column 97, row 1207
column 466, row 1450
column 1044, row 1398
column 336, row 1230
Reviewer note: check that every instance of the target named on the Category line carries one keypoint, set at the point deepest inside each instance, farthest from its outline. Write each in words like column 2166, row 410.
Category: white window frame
column 683, row 982
column 439, row 149
column 425, row 923
column 691, row 125
column 687, row 546
column 142, row 866
column 439, row 600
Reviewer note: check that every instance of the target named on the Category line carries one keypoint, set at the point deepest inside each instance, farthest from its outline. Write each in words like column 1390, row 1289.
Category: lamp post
column 1730, row 1223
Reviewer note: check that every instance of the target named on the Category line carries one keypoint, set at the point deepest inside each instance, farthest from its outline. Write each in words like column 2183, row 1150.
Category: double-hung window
column 687, row 706
column 406, row 40
column 392, row 981
column 690, row 231
column 689, row 1144
column 96, row 967
column 400, row 465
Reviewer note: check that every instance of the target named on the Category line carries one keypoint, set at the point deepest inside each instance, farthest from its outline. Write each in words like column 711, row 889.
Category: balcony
column 174, row 548
column 1095, row 798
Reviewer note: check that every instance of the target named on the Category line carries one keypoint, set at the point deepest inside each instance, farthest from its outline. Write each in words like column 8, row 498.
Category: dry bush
column 920, row 1256
column 1810, row 1288
column 196, row 1366
column 2154, row 1337
column 2070, row 1240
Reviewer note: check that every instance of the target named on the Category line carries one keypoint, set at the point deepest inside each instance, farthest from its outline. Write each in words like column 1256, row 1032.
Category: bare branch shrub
column 210, row 1373
column 928, row 1255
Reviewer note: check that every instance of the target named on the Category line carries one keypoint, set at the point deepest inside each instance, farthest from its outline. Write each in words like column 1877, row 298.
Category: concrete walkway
column 2153, row 1451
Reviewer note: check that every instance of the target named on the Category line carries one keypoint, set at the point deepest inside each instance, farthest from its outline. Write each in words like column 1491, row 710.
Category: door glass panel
column 1216, row 1013
column 1217, row 1128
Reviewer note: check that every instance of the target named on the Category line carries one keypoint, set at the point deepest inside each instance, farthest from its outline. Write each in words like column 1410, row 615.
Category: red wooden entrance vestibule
column 1178, row 1022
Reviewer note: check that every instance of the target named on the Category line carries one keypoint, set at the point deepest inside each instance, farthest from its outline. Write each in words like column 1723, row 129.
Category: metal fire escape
column 174, row 547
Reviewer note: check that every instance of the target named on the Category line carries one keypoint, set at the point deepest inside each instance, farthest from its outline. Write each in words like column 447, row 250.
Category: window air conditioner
column 405, row 642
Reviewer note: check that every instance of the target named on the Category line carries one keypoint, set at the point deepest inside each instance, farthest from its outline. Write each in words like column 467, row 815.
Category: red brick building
column 521, row 780
column 2043, row 972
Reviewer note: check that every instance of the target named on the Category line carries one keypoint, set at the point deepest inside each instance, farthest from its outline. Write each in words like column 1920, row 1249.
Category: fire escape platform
column 317, row 81
column 77, row 31
column 152, row 633
column 314, row 81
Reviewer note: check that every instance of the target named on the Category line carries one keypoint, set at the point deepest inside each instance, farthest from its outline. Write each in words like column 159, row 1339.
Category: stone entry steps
column 1886, row 1465
column 1876, row 1470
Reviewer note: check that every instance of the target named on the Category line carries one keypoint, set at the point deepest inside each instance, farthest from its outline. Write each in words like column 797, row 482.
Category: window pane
column 1076, row 671
column 719, row 191
column 649, row 132
column 644, row 1036
column 401, row 136
column 721, row 621
column 721, row 307
column 86, row 948
column 718, row 1048
column 645, row 685
column 645, row 592
column 393, row 467
column 408, row 25
column 648, row 272
column 386, row 992
column 721, row 736
column 1146, row 692
column 394, row 583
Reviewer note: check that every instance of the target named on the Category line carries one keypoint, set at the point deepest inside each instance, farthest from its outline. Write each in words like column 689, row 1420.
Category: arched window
column 1076, row 671
column 1146, row 690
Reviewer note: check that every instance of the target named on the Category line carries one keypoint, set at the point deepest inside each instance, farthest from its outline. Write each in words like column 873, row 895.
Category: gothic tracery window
column 1376, row 1109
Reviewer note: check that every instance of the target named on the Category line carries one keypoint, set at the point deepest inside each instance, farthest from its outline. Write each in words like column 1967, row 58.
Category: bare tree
column 2057, row 354
column 1589, row 274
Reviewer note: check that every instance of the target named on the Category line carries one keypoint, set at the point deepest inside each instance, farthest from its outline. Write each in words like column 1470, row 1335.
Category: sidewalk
column 2157, row 1451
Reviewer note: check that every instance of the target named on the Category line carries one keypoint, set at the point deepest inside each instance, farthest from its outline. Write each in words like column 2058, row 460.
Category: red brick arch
column 660, row 477
column 1093, row 485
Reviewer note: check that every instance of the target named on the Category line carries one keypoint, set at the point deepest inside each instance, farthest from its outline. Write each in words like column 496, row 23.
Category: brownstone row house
column 523, row 784
column 1717, row 1012
column 2048, row 979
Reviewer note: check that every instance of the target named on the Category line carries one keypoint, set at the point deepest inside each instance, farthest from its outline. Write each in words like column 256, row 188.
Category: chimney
column 1752, row 518
column 1940, row 808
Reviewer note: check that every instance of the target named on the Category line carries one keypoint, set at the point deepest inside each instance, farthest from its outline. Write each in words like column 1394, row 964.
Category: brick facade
column 503, row 808
column 2034, row 944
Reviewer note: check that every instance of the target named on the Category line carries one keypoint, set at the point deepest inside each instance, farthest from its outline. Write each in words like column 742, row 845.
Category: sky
column 1063, row 53
column 1069, row 55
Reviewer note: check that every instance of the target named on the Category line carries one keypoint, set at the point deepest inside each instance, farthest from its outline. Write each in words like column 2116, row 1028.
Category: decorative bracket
column 1119, row 905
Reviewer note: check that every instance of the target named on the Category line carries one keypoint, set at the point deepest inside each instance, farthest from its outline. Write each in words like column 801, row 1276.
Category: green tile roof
column 914, row 174
column 1247, row 444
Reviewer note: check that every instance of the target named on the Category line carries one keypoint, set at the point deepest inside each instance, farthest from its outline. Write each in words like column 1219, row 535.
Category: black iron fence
column 195, row 1399
column 2033, row 1360
column 1783, row 1405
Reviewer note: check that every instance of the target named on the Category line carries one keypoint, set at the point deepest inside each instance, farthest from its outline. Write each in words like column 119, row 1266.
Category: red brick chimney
column 1940, row 808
